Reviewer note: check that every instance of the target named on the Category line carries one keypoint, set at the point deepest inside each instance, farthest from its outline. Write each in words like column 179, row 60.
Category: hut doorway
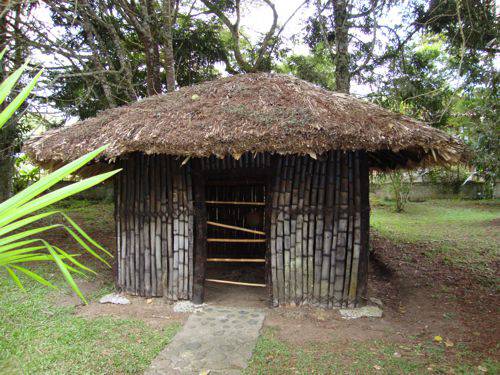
column 236, row 242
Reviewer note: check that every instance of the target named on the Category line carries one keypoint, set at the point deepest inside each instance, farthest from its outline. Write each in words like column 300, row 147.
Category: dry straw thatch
column 251, row 113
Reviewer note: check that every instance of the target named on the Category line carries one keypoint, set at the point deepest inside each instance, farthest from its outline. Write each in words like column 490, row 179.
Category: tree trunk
column 341, row 21
column 6, row 174
column 168, row 11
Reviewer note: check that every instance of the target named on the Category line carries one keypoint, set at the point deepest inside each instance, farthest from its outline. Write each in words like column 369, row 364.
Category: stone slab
column 362, row 312
column 217, row 340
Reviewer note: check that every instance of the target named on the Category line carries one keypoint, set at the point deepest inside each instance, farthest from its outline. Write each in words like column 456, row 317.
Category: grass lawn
column 40, row 336
column 273, row 356
column 465, row 234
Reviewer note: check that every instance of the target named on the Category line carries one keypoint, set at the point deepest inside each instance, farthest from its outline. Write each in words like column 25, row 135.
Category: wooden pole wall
column 317, row 215
column 155, row 227
column 319, row 229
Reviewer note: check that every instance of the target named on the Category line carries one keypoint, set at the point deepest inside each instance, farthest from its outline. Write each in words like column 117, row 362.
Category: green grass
column 39, row 337
column 460, row 232
column 93, row 214
column 272, row 356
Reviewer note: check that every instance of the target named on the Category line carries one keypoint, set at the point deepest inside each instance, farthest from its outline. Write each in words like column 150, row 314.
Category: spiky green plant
column 21, row 241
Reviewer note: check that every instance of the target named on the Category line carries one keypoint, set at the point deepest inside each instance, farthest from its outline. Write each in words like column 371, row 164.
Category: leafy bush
column 452, row 177
column 25, row 174
column 19, row 238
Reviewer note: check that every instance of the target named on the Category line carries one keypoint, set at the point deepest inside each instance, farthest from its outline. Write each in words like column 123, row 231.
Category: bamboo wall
column 154, row 224
column 319, row 230
column 317, row 214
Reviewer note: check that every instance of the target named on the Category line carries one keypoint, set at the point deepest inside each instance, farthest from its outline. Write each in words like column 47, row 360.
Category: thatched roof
column 251, row 113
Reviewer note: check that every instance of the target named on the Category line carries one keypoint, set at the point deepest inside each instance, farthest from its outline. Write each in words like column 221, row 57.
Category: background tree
column 112, row 52
column 349, row 30
column 11, row 15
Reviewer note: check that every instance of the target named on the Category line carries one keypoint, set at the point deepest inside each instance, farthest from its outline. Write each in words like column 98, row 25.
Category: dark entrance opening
column 236, row 242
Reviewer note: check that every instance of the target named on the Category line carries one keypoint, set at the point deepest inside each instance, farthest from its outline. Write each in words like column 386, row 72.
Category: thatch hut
column 262, row 170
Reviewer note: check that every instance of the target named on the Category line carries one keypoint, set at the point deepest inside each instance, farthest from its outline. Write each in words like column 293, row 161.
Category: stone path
column 217, row 340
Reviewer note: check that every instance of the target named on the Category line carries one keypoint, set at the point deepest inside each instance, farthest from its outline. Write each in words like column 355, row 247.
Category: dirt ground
column 421, row 298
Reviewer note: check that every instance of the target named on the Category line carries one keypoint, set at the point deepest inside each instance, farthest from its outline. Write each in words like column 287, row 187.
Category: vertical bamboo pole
column 268, row 197
column 277, row 164
column 151, row 216
column 176, row 229
column 357, row 235
column 299, row 239
column 181, row 233
column 288, row 249
column 130, row 217
column 158, row 226
column 145, row 226
column 280, row 231
column 313, row 230
column 336, row 215
column 318, row 244
column 190, row 229
column 119, row 227
column 165, row 264
column 364, row 228
column 312, row 227
column 342, row 231
column 328, row 230
column 294, row 228
column 350, row 230
column 170, row 227
column 200, row 241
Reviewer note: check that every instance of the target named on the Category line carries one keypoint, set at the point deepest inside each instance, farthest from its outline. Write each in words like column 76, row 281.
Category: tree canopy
column 434, row 60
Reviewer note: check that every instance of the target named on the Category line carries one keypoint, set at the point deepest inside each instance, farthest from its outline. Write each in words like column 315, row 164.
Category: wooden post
column 280, row 231
column 342, row 231
column 165, row 261
column 351, row 300
column 135, row 188
column 313, row 230
column 119, row 231
column 286, row 226
column 328, row 230
column 364, row 228
column 200, row 233
column 170, row 227
column 269, row 266
column 294, row 254
column 273, row 241
column 299, row 237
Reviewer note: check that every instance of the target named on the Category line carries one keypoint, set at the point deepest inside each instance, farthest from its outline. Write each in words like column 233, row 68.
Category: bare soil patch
column 154, row 312
column 422, row 299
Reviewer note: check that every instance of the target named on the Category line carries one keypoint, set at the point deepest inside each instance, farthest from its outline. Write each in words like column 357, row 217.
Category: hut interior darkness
column 255, row 181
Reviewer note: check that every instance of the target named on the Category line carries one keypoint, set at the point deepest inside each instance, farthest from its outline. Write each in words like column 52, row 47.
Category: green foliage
column 417, row 82
column 19, row 240
column 471, row 29
column 25, row 174
column 316, row 67
column 401, row 183
column 476, row 118
column 198, row 45
column 447, row 177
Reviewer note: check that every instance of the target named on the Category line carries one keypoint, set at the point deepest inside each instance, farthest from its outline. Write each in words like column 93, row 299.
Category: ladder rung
column 236, row 260
column 235, row 283
column 242, row 240
column 241, row 229
column 237, row 203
